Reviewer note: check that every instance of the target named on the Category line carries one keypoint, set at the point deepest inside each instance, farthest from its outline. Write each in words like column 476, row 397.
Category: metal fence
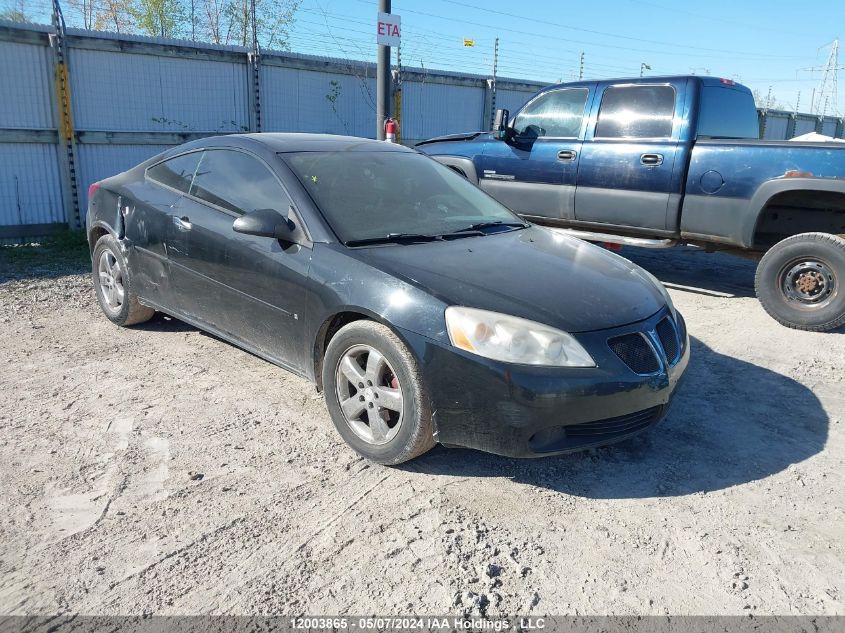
column 127, row 98
column 80, row 106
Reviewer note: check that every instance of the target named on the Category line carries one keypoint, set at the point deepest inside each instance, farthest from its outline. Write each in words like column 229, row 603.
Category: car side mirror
column 500, row 124
column 265, row 223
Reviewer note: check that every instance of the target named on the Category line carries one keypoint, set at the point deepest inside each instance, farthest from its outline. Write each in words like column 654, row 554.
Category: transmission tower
column 827, row 93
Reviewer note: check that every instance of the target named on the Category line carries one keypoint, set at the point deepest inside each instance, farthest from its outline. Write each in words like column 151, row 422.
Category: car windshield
column 371, row 195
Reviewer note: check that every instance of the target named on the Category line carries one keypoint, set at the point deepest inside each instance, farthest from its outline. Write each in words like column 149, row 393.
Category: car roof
column 299, row 142
column 655, row 79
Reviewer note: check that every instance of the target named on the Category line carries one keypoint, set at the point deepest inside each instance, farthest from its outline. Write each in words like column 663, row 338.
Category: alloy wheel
column 111, row 281
column 369, row 394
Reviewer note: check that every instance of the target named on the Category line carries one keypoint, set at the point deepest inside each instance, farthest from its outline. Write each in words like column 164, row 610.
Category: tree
column 274, row 19
column 15, row 11
column 159, row 18
column 765, row 102
column 117, row 16
column 102, row 15
column 230, row 21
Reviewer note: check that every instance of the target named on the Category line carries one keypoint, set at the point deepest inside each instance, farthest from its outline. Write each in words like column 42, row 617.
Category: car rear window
column 176, row 172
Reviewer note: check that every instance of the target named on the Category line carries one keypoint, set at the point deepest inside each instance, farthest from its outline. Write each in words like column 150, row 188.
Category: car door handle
column 183, row 223
column 651, row 159
column 567, row 154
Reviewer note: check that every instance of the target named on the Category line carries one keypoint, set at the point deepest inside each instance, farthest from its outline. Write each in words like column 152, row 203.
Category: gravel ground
column 160, row 470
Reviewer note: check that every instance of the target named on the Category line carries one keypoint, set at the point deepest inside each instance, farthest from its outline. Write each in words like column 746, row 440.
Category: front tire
column 800, row 282
column 375, row 394
column 113, row 284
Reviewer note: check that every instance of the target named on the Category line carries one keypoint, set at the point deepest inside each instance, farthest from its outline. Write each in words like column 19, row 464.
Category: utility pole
column 382, row 80
column 581, row 69
column 827, row 90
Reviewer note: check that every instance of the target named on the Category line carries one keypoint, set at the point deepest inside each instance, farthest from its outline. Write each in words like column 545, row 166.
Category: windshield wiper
column 486, row 225
column 394, row 237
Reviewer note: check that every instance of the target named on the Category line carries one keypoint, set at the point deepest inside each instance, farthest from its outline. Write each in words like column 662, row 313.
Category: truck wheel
column 801, row 282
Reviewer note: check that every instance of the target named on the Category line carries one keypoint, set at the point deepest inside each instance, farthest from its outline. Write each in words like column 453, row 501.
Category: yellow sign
column 469, row 43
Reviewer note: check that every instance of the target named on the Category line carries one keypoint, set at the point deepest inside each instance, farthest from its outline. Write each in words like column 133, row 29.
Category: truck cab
column 660, row 161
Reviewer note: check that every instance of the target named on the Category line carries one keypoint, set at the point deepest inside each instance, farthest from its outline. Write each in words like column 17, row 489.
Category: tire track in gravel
column 286, row 519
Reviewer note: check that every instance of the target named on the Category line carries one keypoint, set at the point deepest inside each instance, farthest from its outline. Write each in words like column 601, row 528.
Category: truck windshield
column 366, row 195
column 727, row 112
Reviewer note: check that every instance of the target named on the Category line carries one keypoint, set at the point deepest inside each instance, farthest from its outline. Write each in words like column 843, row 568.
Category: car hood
column 533, row 273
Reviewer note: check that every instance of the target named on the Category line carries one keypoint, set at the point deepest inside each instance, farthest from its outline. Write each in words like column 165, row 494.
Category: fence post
column 64, row 113
column 254, row 63
column 790, row 126
column 488, row 112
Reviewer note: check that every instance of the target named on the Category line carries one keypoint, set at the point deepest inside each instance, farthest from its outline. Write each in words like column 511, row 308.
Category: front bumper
column 529, row 411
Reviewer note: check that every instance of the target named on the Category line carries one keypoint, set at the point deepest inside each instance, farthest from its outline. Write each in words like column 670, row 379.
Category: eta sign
column 388, row 29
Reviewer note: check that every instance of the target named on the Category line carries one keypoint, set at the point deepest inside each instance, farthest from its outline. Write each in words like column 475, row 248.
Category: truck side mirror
column 500, row 124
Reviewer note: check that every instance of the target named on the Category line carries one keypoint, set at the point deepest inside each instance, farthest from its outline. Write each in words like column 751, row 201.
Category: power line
column 604, row 33
column 731, row 55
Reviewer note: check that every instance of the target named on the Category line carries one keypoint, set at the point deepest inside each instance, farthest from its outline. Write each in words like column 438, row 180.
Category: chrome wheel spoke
column 353, row 407
column 352, row 370
column 375, row 364
column 378, row 427
column 390, row 399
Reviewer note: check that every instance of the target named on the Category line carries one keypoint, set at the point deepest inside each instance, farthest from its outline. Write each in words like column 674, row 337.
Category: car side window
column 557, row 113
column 177, row 172
column 636, row 112
column 238, row 182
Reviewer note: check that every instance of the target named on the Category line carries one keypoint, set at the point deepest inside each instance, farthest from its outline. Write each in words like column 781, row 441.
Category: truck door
column 534, row 173
column 625, row 176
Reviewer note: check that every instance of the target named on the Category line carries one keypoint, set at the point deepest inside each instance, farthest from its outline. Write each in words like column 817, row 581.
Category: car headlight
column 513, row 340
column 659, row 285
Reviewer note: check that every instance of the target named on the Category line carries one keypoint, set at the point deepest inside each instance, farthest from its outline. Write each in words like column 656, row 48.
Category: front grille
column 668, row 339
column 561, row 438
column 621, row 425
column 635, row 352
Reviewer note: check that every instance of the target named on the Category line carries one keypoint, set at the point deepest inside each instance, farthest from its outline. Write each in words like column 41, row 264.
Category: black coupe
column 425, row 310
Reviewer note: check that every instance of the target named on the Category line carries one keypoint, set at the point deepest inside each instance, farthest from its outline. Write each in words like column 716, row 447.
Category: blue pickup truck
column 661, row 161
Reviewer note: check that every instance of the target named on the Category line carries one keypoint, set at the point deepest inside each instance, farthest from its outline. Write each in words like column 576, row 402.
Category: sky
column 760, row 44
column 770, row 45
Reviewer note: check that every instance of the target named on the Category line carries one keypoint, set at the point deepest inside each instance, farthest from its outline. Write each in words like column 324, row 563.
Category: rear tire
column 800, row 282
column 113, row 284
column 375, row 394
